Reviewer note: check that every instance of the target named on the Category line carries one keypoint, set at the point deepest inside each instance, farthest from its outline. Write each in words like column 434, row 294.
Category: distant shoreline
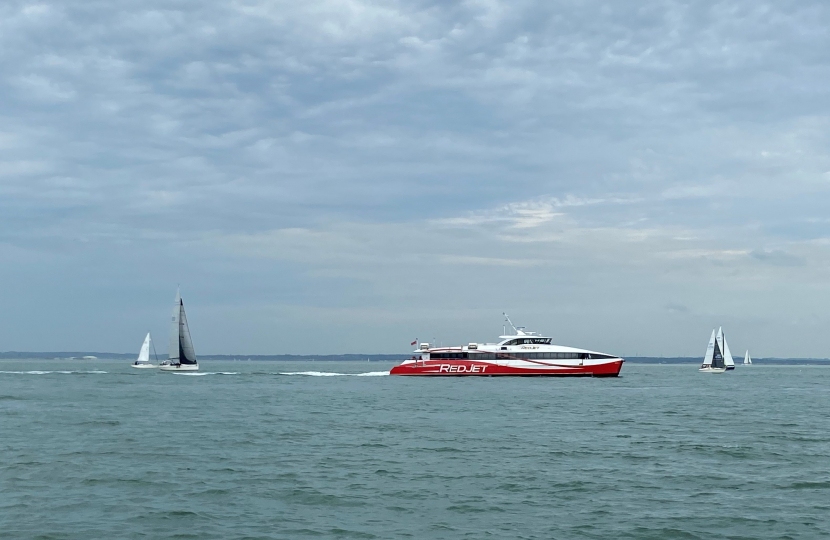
column 91, row 356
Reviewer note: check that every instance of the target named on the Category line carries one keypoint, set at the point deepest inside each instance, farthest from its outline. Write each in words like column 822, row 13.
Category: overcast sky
column 347, row 176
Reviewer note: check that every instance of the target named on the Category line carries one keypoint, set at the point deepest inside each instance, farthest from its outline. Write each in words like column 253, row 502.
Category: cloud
column 777, row 257
column 362, row 153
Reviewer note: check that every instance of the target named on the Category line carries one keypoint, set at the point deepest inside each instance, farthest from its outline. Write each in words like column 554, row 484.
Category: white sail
column 173, row 347
column 710, row 351
column 144, row 353
column 181, row 346
column 727, row 356
column 747, row 359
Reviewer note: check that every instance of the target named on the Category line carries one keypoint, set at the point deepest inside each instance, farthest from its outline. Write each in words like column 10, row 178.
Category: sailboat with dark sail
column 718, row 358
column 182, row 357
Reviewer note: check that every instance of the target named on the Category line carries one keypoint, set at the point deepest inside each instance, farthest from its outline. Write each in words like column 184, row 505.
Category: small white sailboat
column 182, row 357
column 747, row 359
column 143, row 361
column 718, row 359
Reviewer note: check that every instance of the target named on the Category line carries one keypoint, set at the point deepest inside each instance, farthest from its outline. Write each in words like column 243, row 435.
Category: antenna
column 506, row 318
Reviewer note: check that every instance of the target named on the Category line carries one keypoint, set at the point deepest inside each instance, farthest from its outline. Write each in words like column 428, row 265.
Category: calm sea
column 262, row 450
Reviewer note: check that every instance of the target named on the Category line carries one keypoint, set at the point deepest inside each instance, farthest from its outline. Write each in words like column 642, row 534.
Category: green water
column 99, row 450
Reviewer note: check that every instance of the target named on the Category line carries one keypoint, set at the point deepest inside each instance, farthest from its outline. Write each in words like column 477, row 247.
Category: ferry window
column 513, row 342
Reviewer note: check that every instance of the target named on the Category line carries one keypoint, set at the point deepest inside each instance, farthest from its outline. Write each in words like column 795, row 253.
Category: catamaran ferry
column 523, row 353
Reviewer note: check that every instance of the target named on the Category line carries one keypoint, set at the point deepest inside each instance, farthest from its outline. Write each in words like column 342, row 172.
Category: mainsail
column 717, row 358
column 144, row 353
column 710, row 351
column 747, row 359
column 181, row 347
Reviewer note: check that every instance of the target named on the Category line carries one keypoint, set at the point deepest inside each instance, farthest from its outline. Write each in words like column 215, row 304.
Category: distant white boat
column 718, row 359
column 143, row 361
column 747, row 359
column 181, row 354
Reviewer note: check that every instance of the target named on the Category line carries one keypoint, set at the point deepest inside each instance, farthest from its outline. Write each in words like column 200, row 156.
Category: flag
column 414, row 342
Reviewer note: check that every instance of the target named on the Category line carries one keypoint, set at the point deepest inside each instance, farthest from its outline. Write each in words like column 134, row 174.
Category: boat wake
column 35, row 372
column 203, row 373
column 330, row 374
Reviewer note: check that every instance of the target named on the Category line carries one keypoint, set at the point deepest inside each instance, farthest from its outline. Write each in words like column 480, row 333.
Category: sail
column 727, row 356
column 173, row 347
column 710, row 351
column 747, row 359
column 144, row 353
column 181, row 346
column 717, row 357
column 186, row 353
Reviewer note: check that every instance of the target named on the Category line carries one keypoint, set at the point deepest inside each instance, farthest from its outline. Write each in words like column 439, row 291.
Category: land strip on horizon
column 64, row 355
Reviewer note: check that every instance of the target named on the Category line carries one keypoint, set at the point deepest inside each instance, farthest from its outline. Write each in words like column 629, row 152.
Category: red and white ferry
column 522, row 354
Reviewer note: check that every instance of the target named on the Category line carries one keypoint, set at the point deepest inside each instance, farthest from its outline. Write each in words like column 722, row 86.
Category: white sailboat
column 718, row 359
column 143, row 361
column 747, row 359
column 182, row 357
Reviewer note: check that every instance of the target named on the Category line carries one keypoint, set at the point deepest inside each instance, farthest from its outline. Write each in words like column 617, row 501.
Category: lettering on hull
column 475, row 368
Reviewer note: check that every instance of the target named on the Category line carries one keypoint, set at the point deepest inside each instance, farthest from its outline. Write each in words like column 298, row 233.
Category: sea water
column 262, row 450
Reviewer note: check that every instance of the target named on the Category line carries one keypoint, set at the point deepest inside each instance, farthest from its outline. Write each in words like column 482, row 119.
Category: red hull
column 471, row 368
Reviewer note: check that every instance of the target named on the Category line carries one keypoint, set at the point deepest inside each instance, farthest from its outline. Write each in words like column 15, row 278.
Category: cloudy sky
column 347, row 175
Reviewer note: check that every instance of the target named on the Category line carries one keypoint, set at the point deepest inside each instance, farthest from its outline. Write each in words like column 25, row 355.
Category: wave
column 330, row 374
column 36, row 372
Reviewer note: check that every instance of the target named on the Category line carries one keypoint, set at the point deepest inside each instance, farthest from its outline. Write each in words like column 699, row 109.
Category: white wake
column 330, row 374
column 61, row 372
column 203, row 373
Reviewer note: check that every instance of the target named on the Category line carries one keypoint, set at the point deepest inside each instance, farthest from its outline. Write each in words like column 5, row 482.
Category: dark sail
column 717, row 359
column 181, row 346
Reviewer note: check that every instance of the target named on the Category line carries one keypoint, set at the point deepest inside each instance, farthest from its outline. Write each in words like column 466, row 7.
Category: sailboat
column 182, row 357
column 747, row 359
column 143, row 361
column 718, row 359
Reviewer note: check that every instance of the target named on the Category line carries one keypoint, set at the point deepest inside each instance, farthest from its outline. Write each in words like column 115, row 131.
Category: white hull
column 180, row 367
column 712, row 370
column 143, row 366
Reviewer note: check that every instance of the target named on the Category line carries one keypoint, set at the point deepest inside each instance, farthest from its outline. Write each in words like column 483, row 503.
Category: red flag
column 414, row 342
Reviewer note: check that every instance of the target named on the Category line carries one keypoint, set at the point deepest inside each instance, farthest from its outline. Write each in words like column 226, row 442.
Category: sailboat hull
column 712, row 370
column 180, row 367
column 729, row 368
column 143, row 366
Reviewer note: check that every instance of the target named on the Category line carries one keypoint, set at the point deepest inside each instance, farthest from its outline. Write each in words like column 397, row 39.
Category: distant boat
column 182, row 357
column 718, row 359
column 747, row 359
column 143, row 361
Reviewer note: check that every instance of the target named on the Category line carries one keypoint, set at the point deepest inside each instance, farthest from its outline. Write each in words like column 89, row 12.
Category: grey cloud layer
column 363, row 155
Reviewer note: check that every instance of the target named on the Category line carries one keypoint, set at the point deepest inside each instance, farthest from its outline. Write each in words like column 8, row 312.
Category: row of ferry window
column 529, row 341
column 521, row 356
